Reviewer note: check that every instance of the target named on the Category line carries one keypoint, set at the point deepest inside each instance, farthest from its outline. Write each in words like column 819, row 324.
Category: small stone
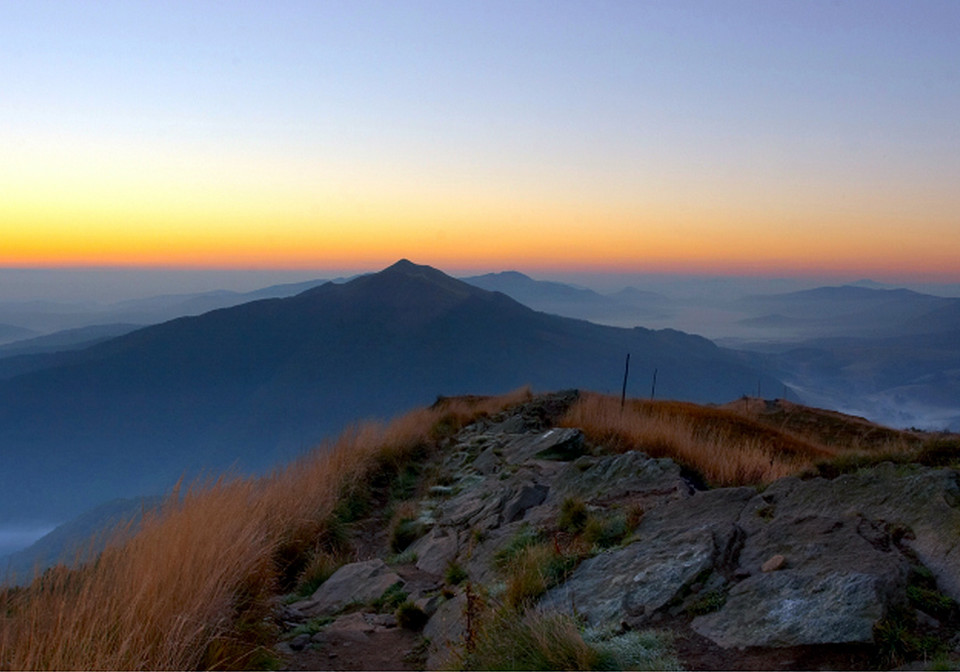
column 381, row 620
column 927, row 621
column 773, row 564
column 299, row 642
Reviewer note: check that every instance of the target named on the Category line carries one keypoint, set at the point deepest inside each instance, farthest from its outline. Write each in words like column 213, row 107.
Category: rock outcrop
column 800, row 563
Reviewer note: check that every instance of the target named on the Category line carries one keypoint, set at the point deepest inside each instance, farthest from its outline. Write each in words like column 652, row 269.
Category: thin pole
column 653, row 388
column 626, row 372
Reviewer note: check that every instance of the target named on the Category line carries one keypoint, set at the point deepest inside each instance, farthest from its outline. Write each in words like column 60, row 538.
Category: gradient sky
column 717, row 137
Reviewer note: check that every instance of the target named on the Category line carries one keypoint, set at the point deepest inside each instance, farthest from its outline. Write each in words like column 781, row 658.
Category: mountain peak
column 403, row 265
column 408, row 269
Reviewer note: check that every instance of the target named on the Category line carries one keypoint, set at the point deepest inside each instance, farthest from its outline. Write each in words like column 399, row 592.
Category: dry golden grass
column 194, row 587
column 830, row 428
column 725, row 447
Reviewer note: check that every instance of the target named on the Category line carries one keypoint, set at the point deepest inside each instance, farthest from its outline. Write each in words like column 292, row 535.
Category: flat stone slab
column 630, row 584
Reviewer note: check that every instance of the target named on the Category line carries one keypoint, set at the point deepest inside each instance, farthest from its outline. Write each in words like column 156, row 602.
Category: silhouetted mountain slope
column 11, row 332
column 68, row 339
column 259, row 382
column 854, row 311
column 627, row 307
column 46, row 317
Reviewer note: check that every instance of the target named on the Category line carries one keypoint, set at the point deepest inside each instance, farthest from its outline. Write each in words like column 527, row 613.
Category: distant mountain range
column 257, row 383
column 39, row 318
column 889, row 354
column 853, row 311
column 628, row 307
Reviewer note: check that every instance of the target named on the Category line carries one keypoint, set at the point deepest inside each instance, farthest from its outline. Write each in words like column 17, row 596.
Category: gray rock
column 445, row 630
column 523, row 497
column 300, row 642
column 923, row 502
column 358, row 582
column 674, row 548
column 554, row 444
column 646, row 480
column 381, row 620
column 429, row 604
column 487, row 463
column 473, row 506
column 791, row 608
column 436, row 550
column 514, row 424
column 837, row 584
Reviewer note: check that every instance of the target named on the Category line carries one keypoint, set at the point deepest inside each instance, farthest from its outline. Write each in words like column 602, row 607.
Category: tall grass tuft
column 530, row 641
column 195, row 587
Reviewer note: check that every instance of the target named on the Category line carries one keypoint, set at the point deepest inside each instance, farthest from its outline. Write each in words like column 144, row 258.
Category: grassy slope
column 193, row 588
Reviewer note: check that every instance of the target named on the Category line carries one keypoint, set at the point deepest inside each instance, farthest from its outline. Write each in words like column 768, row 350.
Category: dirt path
column 363, row 639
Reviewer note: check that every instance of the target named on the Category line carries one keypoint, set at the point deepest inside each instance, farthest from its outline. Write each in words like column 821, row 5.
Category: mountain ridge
column 256, row 384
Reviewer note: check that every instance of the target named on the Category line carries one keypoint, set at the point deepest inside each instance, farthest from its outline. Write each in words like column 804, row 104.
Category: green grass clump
column 634, row 650
column 923, row 595
column 607, row 532
column 411, row 617
column 573, row 515
column 524, row 538
column 533, row 571
column 708, row 602
column 454, row 574
column 533, row 641
column 321, row 567
column 392, row 598
column 900, row 639
column 931, row 601
column 311, row 627
column 404, row 533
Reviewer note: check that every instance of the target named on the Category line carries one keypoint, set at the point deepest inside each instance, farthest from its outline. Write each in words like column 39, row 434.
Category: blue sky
column 729, row 136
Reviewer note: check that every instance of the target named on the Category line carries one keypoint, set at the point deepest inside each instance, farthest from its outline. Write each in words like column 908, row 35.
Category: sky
column 751, row 138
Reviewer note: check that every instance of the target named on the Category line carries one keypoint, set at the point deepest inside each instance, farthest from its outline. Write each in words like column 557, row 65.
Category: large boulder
column 830, row 581
column 436, row 550
column 358, row 582
column 491, row 502
column 553, row 444
column 445, row 632
column 677, row 545
column 921, row 506
column 645, row 480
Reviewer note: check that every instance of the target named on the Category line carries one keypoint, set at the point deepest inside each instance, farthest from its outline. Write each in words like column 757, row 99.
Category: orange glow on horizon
column 256, row 232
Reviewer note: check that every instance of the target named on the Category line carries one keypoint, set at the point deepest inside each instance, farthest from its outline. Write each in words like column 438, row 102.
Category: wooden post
column 623, row 394
column 653, row 388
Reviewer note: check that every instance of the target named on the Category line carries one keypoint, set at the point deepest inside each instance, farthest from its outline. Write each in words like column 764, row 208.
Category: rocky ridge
column 798, row 574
